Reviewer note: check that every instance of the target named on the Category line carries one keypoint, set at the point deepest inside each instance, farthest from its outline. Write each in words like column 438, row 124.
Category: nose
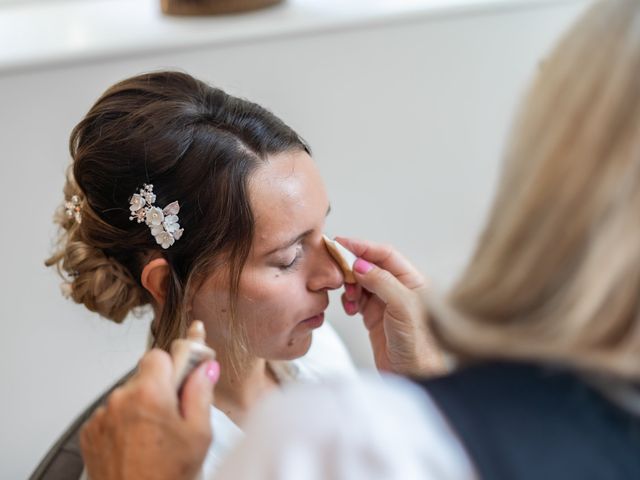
column 325, row 274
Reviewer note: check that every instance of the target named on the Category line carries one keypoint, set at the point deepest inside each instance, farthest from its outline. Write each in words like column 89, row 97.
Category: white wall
column 406, row 119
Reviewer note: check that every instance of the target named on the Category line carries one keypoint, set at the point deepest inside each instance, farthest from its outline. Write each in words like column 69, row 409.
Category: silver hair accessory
column 162, row 222
column 72, row 208
column 67, row 289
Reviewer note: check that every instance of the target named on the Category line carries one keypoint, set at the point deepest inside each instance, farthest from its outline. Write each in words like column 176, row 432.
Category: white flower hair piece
column 163, row 222
column 73, row 207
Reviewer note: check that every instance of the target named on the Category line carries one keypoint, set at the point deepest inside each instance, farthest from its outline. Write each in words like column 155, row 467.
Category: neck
column 237, row 392
column 239, row 389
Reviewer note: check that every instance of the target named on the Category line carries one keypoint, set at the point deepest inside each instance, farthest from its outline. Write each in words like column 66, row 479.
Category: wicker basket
column 213, row 7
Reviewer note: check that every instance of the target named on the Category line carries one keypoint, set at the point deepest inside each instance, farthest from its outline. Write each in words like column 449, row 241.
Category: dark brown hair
column 195, row 144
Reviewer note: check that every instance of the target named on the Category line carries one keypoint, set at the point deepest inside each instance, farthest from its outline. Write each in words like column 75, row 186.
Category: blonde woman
column 544, row 323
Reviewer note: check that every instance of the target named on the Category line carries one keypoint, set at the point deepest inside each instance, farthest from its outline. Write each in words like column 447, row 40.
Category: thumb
column 197, row 394
column 379, row 282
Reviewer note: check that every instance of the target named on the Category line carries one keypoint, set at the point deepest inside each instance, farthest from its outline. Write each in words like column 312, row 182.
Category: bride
column 203, row 206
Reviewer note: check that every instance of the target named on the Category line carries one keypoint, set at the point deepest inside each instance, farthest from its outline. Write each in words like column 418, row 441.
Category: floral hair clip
column 72, row 208
column 162, row 222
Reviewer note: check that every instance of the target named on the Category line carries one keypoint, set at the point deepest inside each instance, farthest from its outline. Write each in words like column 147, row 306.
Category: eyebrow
column 296, row 239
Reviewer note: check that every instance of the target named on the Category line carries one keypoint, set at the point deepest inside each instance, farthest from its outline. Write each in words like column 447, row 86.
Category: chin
column 297, row 348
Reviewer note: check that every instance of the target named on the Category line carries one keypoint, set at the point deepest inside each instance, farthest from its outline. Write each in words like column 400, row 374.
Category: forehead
column 286, row 195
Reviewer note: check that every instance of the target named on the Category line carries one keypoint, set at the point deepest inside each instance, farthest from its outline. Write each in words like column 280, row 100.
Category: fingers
column 353, row 307
column 154, row 376
column 380, row 282
column 91, row 430
column 372, row 312
column 352, row 291
column 350, row 307
column 197, row 396
column 144, row 413
column 94, row 442
column 387, row 258
column 155, row 364
column 352, row 298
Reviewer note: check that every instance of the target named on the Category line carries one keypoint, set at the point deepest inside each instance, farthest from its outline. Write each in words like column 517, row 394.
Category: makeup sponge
column 343, row 257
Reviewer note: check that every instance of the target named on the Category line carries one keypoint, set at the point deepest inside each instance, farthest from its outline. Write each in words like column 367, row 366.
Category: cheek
column 212, row 307
column 270, row 314
column 267, row 310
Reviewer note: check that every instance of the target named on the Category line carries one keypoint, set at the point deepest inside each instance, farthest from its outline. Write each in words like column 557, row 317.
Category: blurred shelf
column 37, row 33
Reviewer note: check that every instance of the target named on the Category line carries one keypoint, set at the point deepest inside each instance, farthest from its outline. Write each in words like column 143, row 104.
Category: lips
column 314, row 322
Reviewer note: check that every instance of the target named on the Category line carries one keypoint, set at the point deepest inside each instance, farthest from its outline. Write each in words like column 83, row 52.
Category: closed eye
column 294, row 262
column 295, row 240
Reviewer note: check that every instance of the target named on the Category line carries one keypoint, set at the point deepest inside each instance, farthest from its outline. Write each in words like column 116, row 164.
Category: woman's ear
column 154, row 278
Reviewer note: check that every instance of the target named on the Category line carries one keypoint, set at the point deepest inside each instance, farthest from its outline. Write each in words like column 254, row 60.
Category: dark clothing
column 527, row 422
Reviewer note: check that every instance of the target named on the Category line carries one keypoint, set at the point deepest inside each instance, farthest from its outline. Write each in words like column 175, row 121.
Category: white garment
column 326, row 359
column 369, row 428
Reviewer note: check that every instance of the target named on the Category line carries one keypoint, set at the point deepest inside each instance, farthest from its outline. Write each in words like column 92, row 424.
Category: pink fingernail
column 349, row 289
column 352, row 307
column 362, row 266
column 213, row 371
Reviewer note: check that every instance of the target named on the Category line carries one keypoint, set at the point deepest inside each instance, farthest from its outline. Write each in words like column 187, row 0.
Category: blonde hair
column 556, row 273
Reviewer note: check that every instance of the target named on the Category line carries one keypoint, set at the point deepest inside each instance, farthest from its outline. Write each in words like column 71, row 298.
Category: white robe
column 327, row 359
column 368, row 428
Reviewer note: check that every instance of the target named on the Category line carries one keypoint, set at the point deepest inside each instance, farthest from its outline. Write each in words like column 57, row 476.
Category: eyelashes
column 294, row 263
column 290, row 265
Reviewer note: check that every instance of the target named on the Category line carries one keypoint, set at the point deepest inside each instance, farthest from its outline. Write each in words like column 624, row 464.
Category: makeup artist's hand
column 144, row 432
column 390, row 296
